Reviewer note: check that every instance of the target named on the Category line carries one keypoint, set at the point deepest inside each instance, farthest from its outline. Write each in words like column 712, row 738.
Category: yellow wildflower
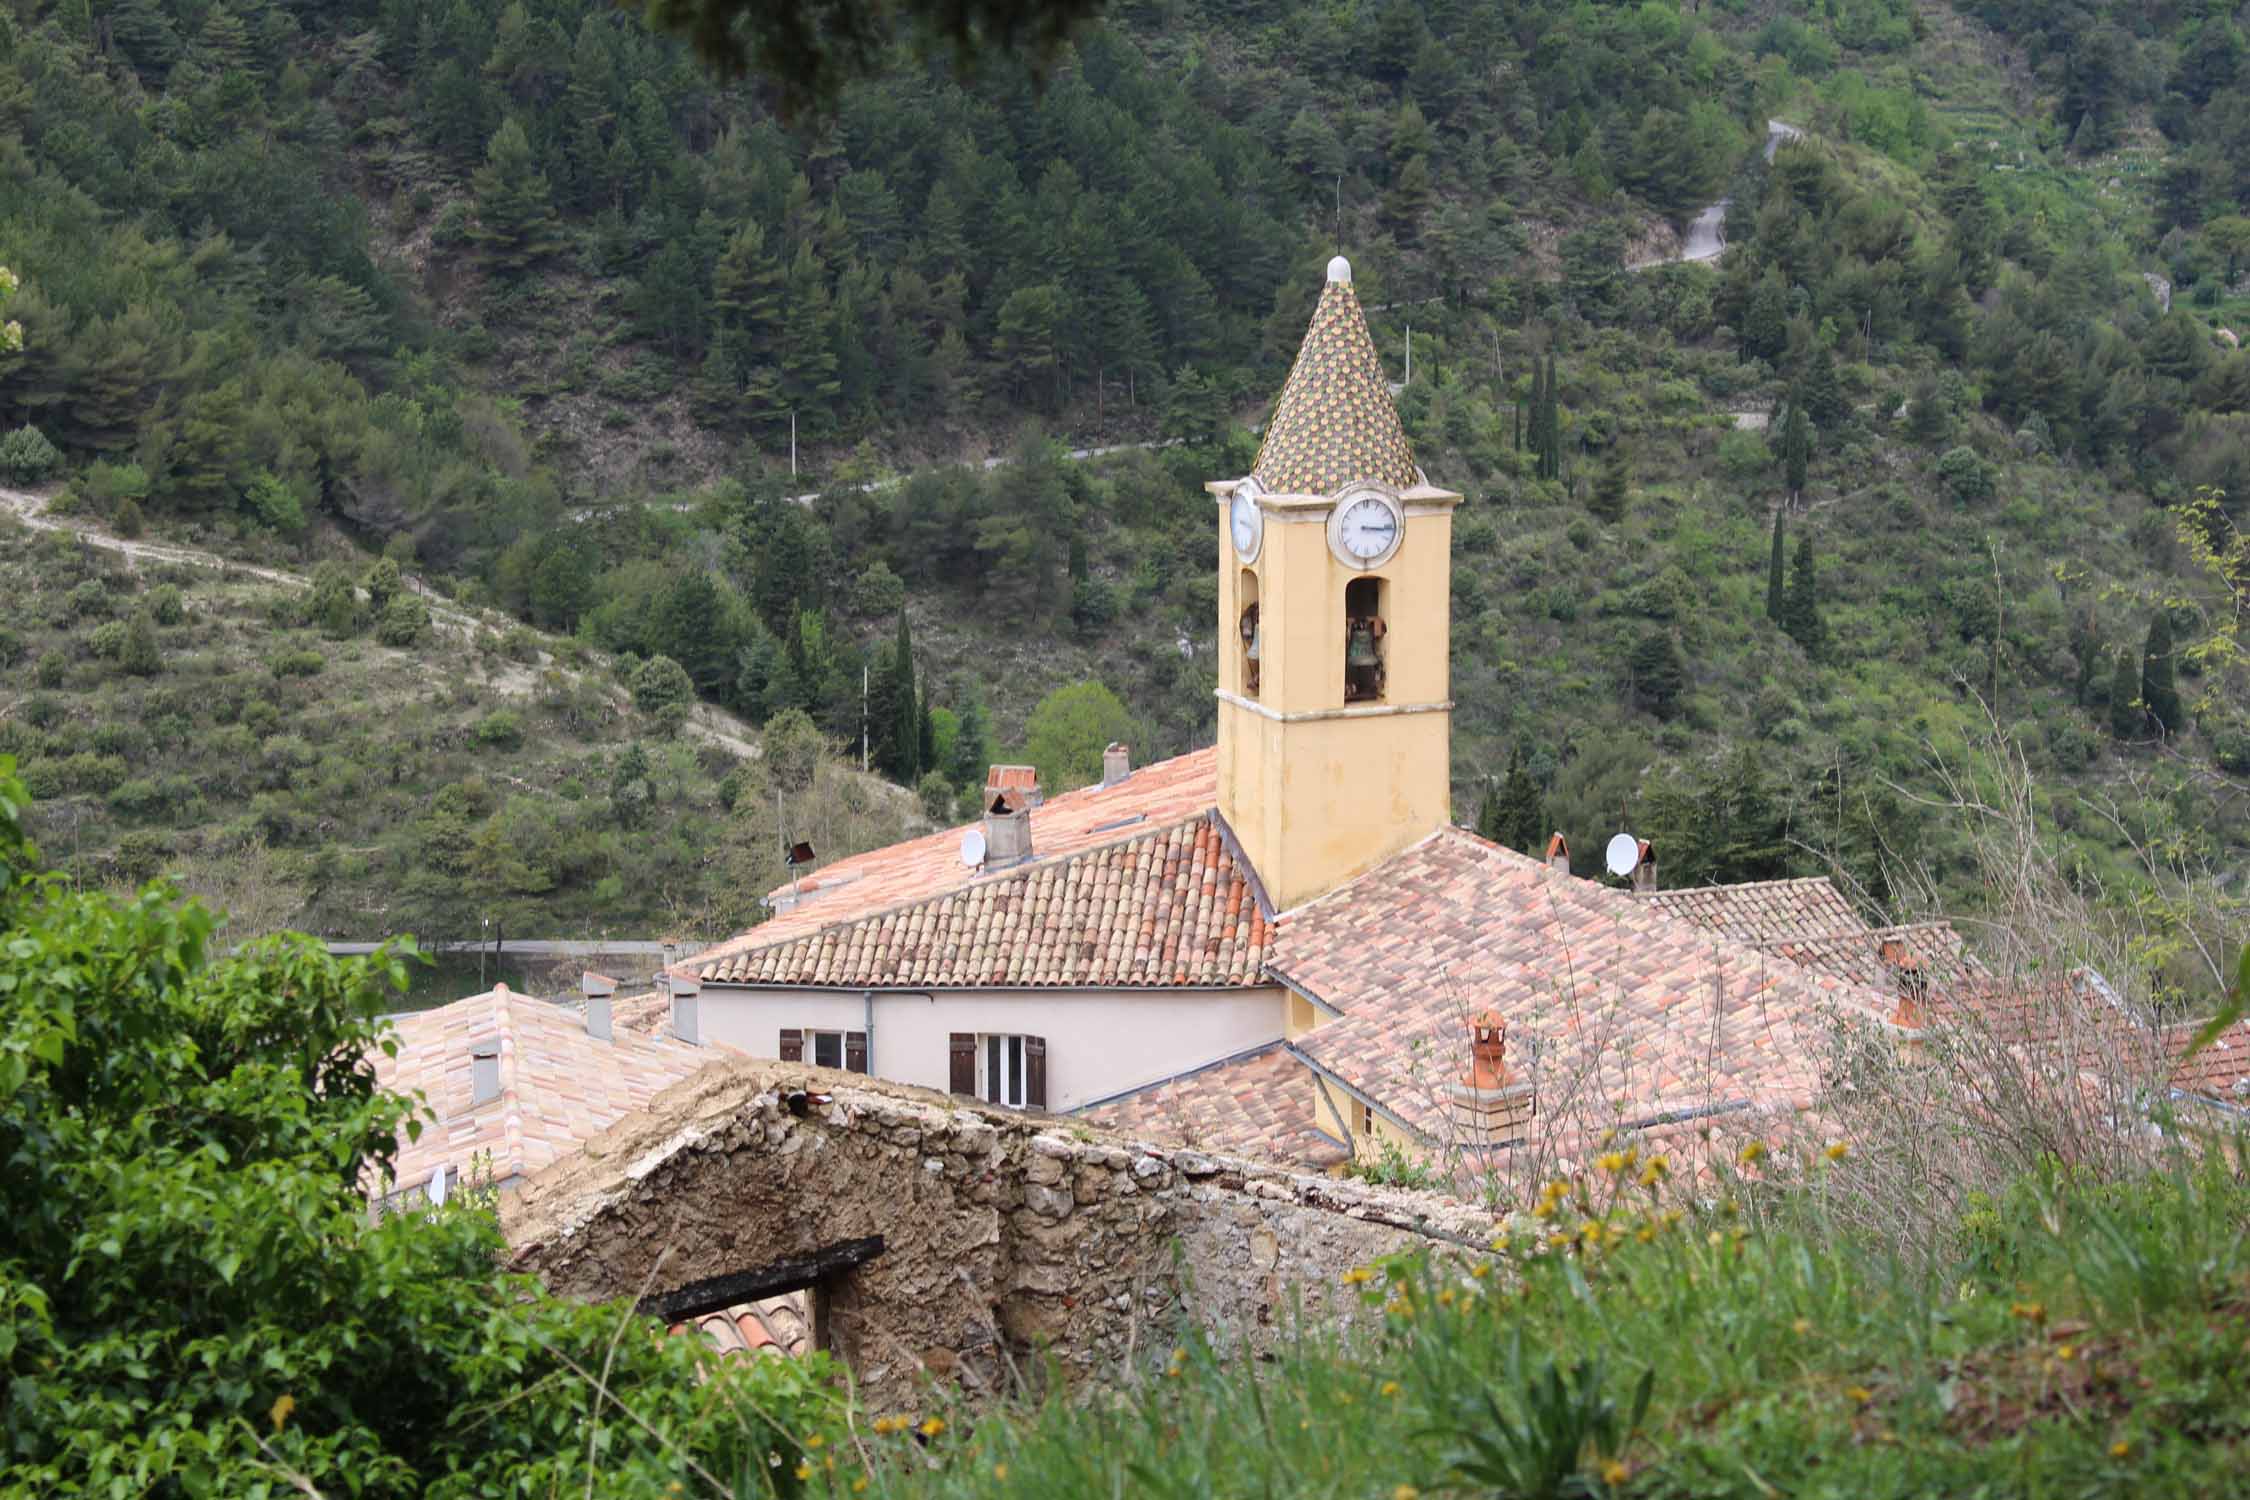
column 1612, row 1162
column 1861, row 1394
column 1801, row 1327
column 1390, row 1388
column 932, row 1427
column 859, row 1484
column 283, row 1405
column 1714, row 1237
column 1358, row 1274
column 1406, row 1492
column 1481, row 1269
column 2120, row 1449
column 1445, row 1297
column 1645, row 1234
column 2067, row 1353
column 804, row 1471
column 1000, row 1471
column 815, row 1440
column 2030, row 1312
column 1615, row 1473
column 1751, row 1153
column 1838, row 1151
column 1654, row 1172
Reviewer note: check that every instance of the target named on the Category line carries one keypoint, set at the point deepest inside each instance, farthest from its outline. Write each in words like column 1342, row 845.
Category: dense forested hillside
column 517, row 293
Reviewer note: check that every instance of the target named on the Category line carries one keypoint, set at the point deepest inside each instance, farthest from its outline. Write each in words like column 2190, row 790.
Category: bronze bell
column 1359, row 651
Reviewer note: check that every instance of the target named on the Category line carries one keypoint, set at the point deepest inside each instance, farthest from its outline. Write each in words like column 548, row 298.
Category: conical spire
column 1335, row 423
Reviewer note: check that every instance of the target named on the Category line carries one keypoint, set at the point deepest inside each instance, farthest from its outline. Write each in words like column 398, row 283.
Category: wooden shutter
column 1034, row 1072
column 855, row 1051
column 962, row 1062
column 792, row 1044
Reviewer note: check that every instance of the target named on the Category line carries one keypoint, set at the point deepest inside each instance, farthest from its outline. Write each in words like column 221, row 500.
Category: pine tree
column 1821, row 393
column 1800, row 612
column 1516, row 816
column 515, row 213
column 140, row 656
column 1777, row 588
column 2159, row 692
column 2126, row 719
column 1659, row 675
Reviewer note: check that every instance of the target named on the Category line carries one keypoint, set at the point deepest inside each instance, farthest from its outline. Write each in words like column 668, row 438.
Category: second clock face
column 1248, row 524
column 1367, row 529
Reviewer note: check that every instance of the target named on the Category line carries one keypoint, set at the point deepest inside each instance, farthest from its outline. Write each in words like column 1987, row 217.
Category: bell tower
column 1335, row 586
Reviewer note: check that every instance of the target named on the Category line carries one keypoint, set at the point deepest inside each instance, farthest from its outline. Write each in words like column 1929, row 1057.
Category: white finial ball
column 1340, row 269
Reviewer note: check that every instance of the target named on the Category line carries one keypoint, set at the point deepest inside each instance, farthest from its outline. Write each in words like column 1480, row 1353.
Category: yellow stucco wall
column 1319, row 800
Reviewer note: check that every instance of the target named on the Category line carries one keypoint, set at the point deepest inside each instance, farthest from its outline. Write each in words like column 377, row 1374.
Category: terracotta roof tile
column 1938, row 952
column 1257, row 1104
column 1616, row 1008
column 1158, row 794
column 1763, row 911
column 1168, row 907
column 2220, row 1071
column 1335, row 423
column 559, row 1087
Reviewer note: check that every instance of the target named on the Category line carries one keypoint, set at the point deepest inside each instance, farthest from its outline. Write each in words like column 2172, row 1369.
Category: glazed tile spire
column 1335, row 423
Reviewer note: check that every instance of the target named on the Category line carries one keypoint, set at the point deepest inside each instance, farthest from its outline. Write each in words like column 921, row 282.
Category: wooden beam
column 789, row 1274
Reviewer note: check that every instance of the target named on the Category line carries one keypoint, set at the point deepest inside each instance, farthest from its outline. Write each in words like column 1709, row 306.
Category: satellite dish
column 1623, row 855
column 972, row 848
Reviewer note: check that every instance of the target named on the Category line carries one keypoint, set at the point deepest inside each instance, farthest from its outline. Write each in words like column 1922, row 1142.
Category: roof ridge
column 1742, row 885
column 997, row 878
column 1244, row 1055
column 1858, row 933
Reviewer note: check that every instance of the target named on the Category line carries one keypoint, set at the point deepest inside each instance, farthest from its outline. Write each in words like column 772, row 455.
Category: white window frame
column 812, row 1049
column 1009, row 1053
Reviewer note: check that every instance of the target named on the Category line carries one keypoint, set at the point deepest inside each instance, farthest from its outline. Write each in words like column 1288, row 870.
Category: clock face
column 1367, row 529
column 1247, row 522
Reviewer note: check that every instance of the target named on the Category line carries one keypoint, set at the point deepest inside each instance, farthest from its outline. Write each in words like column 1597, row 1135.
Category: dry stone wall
column 1005, row 1234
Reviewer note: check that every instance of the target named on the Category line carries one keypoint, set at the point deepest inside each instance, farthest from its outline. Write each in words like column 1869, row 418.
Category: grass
column 2081, row 1339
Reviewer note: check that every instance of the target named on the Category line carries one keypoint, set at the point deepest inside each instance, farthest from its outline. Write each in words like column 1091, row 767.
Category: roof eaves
column 1330, row 1075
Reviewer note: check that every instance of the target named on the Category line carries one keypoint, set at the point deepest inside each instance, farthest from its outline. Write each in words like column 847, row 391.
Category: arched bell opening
column 1366, row 648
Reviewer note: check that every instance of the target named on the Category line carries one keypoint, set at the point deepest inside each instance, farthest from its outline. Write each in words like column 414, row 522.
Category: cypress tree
column 1520, row 818
column 1800, row 611
column 2159, row 692
column 1796, row 447
column 1777, row 588
column 906, row 707
column 2125, row 715
column 1608, row 500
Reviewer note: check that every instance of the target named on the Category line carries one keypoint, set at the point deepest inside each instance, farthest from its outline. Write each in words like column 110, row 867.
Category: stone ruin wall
column 1004, row 1234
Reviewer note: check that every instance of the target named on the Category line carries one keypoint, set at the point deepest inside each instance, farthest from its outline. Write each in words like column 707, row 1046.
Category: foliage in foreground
column 192, row 1299
column 2087, row 1338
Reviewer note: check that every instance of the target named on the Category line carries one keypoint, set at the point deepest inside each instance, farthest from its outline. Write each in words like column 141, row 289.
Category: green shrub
column 140, row 655
column 12, row 648
column 90, row 600
column 274, row 504
column 405, row 622
column 26, row 457
column 112, row 485
column 334, row 605
column 300, row 663
column 382, row 583
column 660, row 682
column 44, row 711
column 108, row 640
column 1969, row 478
column 126, row 520
column 114, row 738
column 166, row 605
column 499, row 730
column 938, row 797
column 51, row 669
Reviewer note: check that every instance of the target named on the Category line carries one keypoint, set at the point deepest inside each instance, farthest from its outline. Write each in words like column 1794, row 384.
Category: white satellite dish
column 972, row 848
column 1623, row 855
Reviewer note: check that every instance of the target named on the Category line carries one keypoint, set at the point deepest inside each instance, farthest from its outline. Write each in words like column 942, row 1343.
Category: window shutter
column 792, row 1044
column 855, row 1051
column 1034, row 1072
column 962, row 1072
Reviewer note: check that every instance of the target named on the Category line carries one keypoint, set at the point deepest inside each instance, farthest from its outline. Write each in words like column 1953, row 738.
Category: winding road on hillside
column 1707, row 232
column 712, row 725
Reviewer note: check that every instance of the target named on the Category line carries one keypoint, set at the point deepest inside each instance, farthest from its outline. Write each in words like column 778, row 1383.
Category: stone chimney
column 484, row 1073
column 687, row 1000
column 1558, row 854
column 1644, row 873
column 1117, row 764
column 1007, row 832
column 1489, row 1107
column 598, row 990
column 1908, row 980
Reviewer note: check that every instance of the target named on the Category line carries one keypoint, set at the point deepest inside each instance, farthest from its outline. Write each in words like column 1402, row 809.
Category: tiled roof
column 1614, row 1006
column 1938, row 952
column 1763, row 911
column 775, row 1325
column 1168, row 907
column 1158, row 794
column 2220, row 1071
column 1258, row 1104
column 559, row 1087
column 1335, row 423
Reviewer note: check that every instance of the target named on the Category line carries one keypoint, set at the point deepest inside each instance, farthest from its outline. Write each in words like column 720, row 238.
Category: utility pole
column 863, row 718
